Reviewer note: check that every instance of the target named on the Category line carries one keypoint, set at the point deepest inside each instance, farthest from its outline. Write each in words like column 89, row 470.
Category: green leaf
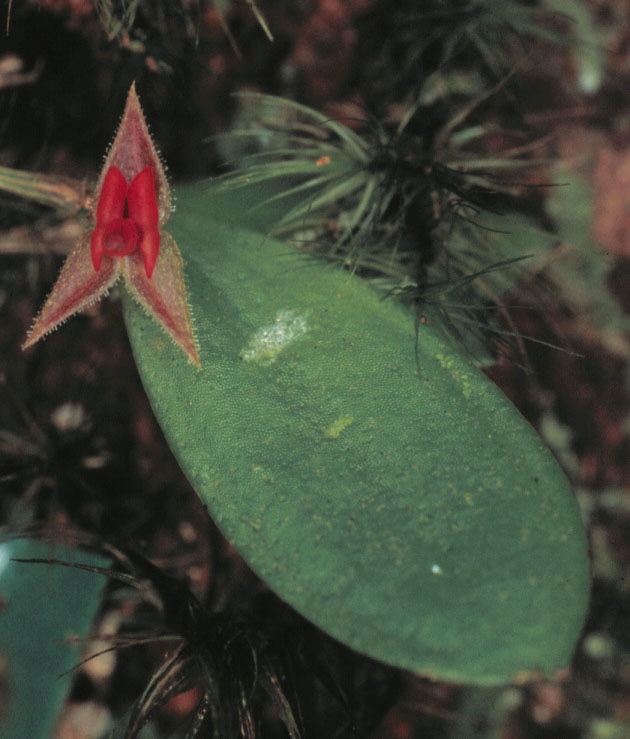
column 583, row 272
column 42, row 606
column 395, row 499
column 54, row 192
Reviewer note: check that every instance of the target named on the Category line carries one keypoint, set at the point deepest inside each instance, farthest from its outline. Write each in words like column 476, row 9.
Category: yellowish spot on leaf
column 338, row 426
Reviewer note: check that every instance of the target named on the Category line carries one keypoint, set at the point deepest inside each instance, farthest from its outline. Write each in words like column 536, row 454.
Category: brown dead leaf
column 611, row 204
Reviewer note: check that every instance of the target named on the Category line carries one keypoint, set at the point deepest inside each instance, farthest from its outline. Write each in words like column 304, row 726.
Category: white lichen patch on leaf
column 267, row 343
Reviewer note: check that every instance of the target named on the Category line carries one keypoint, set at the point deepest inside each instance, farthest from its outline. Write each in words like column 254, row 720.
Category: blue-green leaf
column 41, row 607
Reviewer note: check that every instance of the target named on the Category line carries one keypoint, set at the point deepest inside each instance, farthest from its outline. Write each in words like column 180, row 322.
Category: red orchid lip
column 116, row 238
column 127, row 219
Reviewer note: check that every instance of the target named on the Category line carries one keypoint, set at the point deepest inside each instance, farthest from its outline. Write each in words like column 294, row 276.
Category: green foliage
column 491, row 34
column 42, row 606
column 588, row 53
column 53, row 192
column 432, row 223
column 117, row 19
column 583, row 271
column 119, row 16
column 393, row 497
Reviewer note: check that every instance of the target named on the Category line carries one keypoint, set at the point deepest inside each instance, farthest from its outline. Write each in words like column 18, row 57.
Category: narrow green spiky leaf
column 55, row 192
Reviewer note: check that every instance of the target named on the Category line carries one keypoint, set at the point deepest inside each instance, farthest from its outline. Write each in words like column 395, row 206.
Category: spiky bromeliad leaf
column 351, row 197
column 401, row 504
column 483, row 33
column 284, row 142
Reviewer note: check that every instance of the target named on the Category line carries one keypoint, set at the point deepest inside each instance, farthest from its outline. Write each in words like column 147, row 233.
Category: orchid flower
column 133, row 204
